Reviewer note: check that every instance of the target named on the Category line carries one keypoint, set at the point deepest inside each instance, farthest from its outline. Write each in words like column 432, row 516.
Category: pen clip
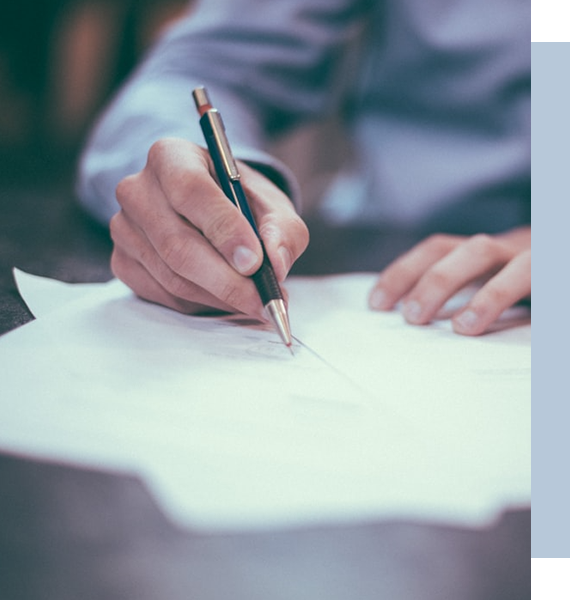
column 213, row 127
column 218, row 131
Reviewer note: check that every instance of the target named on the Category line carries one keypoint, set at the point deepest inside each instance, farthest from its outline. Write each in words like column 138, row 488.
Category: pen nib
column 278, row 315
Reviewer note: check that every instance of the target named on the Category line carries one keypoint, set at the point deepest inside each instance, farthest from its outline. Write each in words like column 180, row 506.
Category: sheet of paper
column 370, row 418
column 43, row 295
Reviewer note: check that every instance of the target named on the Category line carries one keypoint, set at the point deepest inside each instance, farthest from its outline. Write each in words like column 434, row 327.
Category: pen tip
column 278, row 315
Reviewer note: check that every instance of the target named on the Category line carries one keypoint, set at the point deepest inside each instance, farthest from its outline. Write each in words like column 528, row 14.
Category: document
column 371, row 418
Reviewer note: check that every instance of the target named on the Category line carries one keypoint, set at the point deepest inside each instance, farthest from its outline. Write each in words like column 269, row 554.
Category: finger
column 284, row 243
column 145, row 286
column 185, row 175
column 284, row 233
column 400, row 276
column 188, row 255
column 476, row 257
column 506, row 288
column 132, row 246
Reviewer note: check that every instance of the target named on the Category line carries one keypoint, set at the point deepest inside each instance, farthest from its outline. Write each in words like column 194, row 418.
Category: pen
column 229, row 178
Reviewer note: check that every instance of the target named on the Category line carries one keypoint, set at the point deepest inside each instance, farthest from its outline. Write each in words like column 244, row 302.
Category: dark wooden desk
column 68, row 533
column 43, row 231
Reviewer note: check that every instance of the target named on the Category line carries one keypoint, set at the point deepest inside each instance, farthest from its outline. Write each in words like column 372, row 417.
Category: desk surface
column 43, row 231
column 72, row 533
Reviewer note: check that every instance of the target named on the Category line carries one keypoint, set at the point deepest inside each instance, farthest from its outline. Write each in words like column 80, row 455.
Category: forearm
column 262, row 82
column 143, row 113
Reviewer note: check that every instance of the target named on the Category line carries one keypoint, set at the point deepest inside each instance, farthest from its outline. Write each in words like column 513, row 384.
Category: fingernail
column 244, row 259
column 412, row 311
column 378, row 300
column 467, row 320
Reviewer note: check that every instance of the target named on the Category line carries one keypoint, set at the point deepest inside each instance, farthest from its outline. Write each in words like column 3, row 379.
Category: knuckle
column 399, row 271
column 125, row 190
column 176, row 285
column 438, row 278
column 221, row 227
column 116, row 227
column 118, row 266
column 438, row 241
column 178, row 171
column 146, row 256
column 483, row 244
column 120, row 229
column 232, row 295
column 188, row 189
column 292, row 231
column 174, row 251
column 182, row 201
column 157, row 152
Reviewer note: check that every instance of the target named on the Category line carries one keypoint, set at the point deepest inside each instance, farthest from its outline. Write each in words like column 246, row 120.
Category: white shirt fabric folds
column 434, row 97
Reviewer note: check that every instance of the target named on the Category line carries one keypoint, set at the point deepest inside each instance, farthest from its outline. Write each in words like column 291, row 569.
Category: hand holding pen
column 230, row 181
column 179, row 242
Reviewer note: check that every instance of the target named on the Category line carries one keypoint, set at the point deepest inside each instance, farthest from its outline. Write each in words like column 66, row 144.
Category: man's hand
column 433, row 271
column 178, row 240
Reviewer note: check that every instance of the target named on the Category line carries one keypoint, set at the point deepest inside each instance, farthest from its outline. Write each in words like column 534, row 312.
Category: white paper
column 43, row 295
column 370, row 418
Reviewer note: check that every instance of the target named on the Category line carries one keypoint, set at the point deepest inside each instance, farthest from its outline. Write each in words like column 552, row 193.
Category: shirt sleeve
column 268, row 68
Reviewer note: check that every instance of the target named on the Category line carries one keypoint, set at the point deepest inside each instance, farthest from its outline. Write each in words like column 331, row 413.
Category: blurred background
column 59, row 62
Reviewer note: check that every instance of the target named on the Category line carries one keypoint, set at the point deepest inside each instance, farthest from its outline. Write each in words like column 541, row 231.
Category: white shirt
column 434, row 94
